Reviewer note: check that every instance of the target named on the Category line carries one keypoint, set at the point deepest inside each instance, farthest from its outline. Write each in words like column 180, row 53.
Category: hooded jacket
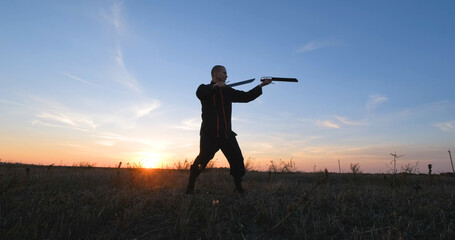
column 217, row 108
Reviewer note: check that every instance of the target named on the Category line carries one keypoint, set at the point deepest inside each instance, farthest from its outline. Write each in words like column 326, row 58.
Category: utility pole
column 450, row 155
column 339, row 166
column 395, row 156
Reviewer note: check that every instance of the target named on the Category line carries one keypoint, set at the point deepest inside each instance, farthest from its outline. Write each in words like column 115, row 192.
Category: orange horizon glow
column 33, row 151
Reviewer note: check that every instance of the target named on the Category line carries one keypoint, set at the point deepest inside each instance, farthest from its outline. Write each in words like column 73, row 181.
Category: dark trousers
column 229, row 146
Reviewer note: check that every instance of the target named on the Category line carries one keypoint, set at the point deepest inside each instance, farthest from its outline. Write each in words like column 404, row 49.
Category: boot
column 238, row 186
column 194, row 173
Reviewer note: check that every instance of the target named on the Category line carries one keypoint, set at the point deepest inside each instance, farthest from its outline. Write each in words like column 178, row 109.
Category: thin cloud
column 14, row 103
column 106, row 143
column 315, row 45
column 38, row 122
column 328, row 124
column 146, row 108
column 73, row 121
column 78, row 79
column 61, row 118
column 375, row 100
column 114, row 16
column 72, row 145
column 446, row 126
column 346, row 121
column 191, row 124
column 147, row 142
column 124, row 76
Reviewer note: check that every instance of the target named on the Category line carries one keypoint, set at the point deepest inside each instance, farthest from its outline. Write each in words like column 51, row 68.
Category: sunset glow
column 114, row 81
column 150, row 160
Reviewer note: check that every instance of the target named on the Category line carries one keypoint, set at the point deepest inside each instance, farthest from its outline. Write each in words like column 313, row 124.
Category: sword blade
column 280, row 79
column 240, row 83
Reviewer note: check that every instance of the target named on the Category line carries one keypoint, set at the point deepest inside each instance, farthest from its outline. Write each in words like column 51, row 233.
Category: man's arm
column 241, row 96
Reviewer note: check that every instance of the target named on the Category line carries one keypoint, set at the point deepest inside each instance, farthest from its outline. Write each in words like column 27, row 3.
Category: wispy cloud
column 58, row 118
column 47, row 124
column 191, row 124
column 375, row 100
column 328, row 124
column 78, row 79
column 14, row 103
column 146, row 108
column 147, row 142
column 446, row 126
column 315, row 45
column 346, row 121
column 123, row 76
column 79, row 122
column 114, row 16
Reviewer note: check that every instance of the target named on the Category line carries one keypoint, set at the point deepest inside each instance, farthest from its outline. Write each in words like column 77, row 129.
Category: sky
column 108, row 81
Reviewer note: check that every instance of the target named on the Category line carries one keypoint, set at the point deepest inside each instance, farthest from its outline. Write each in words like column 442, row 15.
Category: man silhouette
column 216, row 132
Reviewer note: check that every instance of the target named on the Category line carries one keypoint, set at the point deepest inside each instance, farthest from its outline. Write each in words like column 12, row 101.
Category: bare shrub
column 211, row 164
column 182, row 166
column 410, row 168
column 249, row 165
column 137, row 165
column 84, row 164
column 355, row 168
column 273, row 167
column 283, row 166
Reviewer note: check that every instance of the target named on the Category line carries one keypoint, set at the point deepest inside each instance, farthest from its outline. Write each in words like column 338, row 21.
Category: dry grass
column 97, row 203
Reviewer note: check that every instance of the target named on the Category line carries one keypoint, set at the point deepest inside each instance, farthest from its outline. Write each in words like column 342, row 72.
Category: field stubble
column 100, row 203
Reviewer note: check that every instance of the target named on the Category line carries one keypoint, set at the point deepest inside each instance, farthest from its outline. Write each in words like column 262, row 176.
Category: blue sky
column 110, row 81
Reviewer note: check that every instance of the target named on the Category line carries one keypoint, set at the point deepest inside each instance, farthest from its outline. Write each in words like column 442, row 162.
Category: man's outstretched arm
column 241, row 96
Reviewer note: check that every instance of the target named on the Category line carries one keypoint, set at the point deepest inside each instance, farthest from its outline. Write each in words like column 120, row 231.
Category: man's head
column 219, row 74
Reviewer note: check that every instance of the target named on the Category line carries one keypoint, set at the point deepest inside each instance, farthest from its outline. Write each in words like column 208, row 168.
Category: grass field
column 101, row 203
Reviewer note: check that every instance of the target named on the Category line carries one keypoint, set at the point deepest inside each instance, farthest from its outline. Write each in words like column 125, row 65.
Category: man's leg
column 207, row 149
column 234, row 156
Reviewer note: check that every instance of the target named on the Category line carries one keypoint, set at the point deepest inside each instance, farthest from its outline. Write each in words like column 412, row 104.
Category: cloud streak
column 124, row 76
column 114, row 16
column 327, row 124
column 79, row 122
column 315, row 45
column 191, row 124
column 46, row 124
column 78, row 79
column 375, row 100
column 346, row 121
column 146, row 108
column 121, row 74
column 446, row 126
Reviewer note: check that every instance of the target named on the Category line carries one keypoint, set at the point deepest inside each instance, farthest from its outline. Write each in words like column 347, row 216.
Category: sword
column 240, row 83
column 280, row 79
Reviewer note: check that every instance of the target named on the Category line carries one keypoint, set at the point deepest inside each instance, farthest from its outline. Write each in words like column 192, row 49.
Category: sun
column 150, row 163
column 150, row 160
